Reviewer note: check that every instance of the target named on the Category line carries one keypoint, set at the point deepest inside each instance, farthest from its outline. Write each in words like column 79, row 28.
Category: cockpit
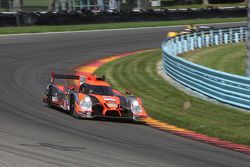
column 96, row 89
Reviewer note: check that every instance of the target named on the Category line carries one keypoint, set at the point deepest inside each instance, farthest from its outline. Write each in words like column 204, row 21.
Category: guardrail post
column 188, row 41
column 225, row 38
column 199, row 42
column 207, row 40
column 179, row 47
column 192, row 43
column 241, row 34
column 182, row 37
column 221, row 36
column 211, row 37
column 195, row 40
column 182, row 43
column 230, row 35
column 174, row 49
column 168, row 49
column 177, row 39
column 236, row 37
column 185, row 46
column 216, row 40
column 202, row 38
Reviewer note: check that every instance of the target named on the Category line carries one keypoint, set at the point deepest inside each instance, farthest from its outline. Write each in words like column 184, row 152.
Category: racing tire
column 49, row 99
column 72, row 110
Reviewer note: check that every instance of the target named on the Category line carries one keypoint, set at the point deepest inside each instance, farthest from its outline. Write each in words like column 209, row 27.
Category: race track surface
column 33, row 135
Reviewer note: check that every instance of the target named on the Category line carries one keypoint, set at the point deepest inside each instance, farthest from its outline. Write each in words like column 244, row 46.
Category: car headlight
column 136, row 108
column 87, row 99
column 135, row 103
column 86, row 103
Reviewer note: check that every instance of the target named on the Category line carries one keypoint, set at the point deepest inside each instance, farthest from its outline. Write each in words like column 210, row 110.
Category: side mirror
column 127, row 92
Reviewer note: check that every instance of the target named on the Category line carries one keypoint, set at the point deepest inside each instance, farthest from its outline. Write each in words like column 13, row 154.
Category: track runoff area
column 92, row 67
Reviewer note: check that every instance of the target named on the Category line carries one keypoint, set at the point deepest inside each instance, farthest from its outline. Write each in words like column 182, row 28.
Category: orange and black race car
column 92, row 97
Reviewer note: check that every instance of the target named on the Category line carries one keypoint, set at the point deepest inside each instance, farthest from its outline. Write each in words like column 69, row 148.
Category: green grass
column 37, row 29
column 168, row 104
column 229, row 58
column 203, row 6
column 44, row 3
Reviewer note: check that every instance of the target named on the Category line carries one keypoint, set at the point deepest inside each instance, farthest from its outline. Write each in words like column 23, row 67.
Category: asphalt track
column 33, row 135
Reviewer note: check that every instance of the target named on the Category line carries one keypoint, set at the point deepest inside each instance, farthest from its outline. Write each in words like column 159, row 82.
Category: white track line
column 120, row 29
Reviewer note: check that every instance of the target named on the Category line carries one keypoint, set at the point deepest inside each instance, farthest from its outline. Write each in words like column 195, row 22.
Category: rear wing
column 81, row 78
column 54, row 76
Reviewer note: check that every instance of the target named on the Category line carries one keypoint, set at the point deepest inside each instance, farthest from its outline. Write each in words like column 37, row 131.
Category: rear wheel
column 72, row 111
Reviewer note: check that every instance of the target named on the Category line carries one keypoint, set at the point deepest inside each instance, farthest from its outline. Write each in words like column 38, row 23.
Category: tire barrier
column 88, row 16
column 227, row 88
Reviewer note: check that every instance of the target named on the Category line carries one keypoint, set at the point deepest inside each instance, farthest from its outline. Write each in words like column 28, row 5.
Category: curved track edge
column 91, row 67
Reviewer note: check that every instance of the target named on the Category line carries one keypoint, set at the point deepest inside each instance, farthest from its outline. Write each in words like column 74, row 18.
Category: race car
column 92, row 97
column 189, row 29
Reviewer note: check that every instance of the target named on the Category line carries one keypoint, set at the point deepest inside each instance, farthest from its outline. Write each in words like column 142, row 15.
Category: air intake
column 112, row 113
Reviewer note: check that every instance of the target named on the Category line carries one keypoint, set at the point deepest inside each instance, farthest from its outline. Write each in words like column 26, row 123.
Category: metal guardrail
column 225, row 87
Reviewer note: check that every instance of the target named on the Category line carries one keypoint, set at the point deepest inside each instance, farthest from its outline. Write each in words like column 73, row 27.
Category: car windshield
column 99, row 90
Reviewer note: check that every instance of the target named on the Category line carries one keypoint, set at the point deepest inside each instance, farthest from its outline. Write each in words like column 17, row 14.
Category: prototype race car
column 189, row 29
column 92, row 97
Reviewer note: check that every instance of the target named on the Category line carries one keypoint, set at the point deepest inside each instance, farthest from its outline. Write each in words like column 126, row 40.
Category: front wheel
column 49, row 98
column 72, row 111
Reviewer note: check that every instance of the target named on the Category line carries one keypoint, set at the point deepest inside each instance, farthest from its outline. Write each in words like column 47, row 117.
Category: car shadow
column 103, row 119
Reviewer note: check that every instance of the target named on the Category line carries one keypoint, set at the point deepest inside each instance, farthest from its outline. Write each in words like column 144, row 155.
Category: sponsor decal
column 108, row 98
column 54, row 99
column 112, row 104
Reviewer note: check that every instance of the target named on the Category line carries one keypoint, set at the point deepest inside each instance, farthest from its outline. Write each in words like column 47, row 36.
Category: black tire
column 49, row 99
column 72, row 111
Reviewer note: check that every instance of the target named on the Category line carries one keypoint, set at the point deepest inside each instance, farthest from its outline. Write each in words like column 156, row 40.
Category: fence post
column 236, row 37
column 185, row 46
column 207, row 40
column 202, row 38
column 188, row 41
column 216, row 40
column 221, row 36
column 241, row 34
column 177, row 39
column 195, row 40
column 225, row 38
column 211, row 37
column 178, row 47
column 182, row 37
column 230, row 35
column 174, row 49
column 199, row 42
column 192, row 43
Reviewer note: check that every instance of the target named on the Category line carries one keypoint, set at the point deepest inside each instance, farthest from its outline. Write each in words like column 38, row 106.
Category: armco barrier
column 222, row 86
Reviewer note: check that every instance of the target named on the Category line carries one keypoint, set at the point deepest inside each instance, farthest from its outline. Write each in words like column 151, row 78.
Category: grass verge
column 229, row 58
column 39, row 29
column 203, row 6
column 168, row 104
